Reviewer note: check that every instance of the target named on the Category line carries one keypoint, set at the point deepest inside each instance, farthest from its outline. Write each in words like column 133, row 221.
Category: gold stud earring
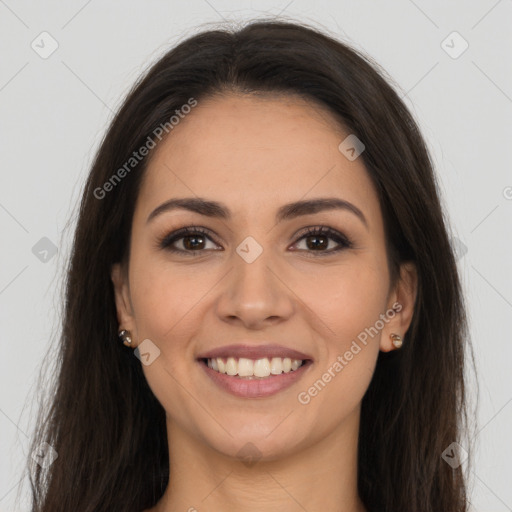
column 126, row 337
column 397, row 340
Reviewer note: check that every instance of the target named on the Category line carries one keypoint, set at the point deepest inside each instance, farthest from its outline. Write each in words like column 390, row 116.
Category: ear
column 402, row 301
column 124, row 308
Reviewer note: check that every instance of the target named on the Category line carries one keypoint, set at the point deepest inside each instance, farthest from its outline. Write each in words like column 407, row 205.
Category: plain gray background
column 55, row 110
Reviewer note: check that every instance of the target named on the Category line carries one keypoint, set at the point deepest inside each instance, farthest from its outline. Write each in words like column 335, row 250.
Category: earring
column 125, row 337
column 397, row 340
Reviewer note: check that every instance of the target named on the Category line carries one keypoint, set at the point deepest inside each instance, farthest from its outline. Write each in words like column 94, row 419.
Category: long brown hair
column 102, row 418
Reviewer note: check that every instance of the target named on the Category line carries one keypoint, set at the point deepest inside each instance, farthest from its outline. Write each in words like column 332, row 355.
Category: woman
column 263, row 310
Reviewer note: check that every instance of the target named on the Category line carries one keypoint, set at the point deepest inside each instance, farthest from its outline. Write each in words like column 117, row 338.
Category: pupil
column 317, row 245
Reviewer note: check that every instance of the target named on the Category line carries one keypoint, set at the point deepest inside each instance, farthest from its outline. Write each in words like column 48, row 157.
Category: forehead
column 253, row 153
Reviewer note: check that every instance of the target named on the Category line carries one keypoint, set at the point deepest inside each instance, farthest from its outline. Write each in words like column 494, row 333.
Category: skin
column 255, row 154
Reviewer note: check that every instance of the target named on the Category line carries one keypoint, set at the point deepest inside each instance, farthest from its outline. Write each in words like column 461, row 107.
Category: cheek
column 164, row 299
column 163, row 295
column 347, row 298
column 361, row 299
column 347, row 302
column 162, row 291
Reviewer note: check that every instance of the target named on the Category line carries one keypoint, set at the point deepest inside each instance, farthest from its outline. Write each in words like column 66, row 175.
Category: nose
column 255, row 294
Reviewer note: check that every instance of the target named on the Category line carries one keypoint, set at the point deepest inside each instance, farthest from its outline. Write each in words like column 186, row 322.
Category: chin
column 254, row 443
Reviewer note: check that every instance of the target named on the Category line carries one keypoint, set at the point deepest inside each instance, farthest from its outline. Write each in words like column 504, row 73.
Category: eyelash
column 167, row 241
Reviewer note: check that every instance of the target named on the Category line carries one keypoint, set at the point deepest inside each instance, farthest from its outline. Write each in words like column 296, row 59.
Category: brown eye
column 315, row 242
column 187, row 240
column 319, row 239
column 193, row 242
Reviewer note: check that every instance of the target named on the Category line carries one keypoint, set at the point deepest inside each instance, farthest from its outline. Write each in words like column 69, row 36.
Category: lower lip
column 255, row 388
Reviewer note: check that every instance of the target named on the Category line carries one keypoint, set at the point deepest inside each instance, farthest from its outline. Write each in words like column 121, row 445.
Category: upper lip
column 253, row 352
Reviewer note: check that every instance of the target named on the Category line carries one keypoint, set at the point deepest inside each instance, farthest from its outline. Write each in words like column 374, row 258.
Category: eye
column 317, row 240
column 194, row 239
column 187, row 240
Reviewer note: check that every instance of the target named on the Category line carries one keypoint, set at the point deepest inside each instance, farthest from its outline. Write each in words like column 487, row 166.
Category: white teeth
column 231, row 366
column 276, row 366
column 245, row 367
column 261, row 368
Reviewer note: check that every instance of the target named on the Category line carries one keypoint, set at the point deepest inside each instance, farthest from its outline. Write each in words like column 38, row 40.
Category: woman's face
column 259, row 273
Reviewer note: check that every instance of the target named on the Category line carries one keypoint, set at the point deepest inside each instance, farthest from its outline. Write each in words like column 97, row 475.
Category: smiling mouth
column 254, row 369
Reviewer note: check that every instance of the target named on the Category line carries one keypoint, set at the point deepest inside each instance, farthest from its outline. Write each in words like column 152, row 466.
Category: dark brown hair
column 102, row 418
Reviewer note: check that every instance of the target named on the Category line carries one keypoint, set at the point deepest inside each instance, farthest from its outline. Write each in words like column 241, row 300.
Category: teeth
column 245, row 367
column 231, row 366
column 276, row 366
column 261, row 368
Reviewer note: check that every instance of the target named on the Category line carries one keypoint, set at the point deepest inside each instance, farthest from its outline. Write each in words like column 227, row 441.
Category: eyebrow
column 286, row 212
